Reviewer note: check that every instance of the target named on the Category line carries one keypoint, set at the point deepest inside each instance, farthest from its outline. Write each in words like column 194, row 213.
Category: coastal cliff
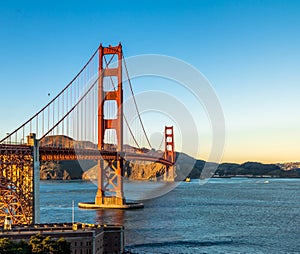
column 186, row 166
column 133, row 171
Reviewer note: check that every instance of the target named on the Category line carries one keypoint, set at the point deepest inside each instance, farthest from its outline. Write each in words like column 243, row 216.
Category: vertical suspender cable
column 135, row 103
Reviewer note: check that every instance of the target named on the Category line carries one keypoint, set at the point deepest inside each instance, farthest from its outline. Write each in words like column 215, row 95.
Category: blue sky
column 248, row 50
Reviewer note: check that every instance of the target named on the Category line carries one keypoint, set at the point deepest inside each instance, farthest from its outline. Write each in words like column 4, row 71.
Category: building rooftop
column 59, row 227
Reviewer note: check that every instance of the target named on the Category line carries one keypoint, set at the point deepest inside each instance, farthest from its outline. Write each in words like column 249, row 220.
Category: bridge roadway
column 56, row 154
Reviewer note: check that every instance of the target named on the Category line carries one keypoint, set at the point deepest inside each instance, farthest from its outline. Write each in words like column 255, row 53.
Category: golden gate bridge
column 89, row 114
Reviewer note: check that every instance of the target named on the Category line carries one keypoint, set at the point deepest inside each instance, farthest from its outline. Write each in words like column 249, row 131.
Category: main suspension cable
column 126, row 121
column 135, row 103
column 80, row 99
column 53, row 100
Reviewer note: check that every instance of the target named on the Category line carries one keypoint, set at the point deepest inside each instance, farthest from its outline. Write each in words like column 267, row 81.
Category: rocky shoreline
column 186, row 167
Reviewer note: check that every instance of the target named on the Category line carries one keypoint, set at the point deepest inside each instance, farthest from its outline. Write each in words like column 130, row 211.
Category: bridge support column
column 169, row 154
column 112, row 174
column 169, row 176
column 34, row 143
column 100, row 192
column 110, row 91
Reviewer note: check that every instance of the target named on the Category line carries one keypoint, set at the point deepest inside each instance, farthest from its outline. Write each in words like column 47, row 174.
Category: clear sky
column 248, row 50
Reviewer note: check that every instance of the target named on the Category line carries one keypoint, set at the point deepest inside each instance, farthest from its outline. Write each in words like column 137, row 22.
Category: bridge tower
column 169, row 153
column 110, row 174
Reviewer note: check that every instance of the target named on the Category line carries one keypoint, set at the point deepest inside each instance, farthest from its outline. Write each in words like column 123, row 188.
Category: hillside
column 249, row 169
column 187, row 166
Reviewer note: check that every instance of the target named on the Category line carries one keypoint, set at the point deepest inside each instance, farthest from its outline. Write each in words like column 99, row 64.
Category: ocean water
column 237, row 215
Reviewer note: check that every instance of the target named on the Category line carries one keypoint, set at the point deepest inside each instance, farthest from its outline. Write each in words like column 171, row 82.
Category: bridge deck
column 56, row 153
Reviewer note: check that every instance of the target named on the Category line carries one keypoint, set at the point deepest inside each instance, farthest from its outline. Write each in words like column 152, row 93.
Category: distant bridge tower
column 169, row 153
column 110, row 176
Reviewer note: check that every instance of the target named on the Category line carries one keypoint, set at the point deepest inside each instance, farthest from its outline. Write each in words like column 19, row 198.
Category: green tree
column 10, row 247
column 63, row 246
column 22, row 247
column 38, row 244
column 5, row 245
column 45, row 245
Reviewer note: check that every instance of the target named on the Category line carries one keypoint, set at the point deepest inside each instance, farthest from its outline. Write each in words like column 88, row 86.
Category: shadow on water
column 110, row 216
column 181, row 243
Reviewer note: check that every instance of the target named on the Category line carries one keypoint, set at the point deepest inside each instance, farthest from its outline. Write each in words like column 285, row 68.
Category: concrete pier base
column 110, row 202
column 91, row 205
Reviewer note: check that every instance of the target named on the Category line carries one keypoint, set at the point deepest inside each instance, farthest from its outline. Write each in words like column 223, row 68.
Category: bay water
column 224, row 215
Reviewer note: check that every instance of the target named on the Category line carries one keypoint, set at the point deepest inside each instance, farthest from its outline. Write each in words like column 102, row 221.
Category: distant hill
column 249, row 169
column 63, row 170
column 187, row 166
column 289, row 165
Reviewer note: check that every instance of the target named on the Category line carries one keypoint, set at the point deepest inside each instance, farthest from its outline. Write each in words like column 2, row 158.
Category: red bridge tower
column 110, row 175
column 169, row 153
